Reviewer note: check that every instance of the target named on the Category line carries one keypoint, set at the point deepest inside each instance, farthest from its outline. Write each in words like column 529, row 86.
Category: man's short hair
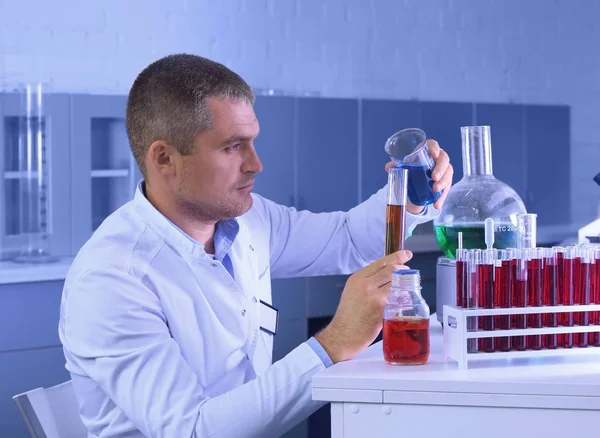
column 168, row 101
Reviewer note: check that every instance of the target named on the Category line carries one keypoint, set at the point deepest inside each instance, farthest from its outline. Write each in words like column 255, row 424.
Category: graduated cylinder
column 396, row 210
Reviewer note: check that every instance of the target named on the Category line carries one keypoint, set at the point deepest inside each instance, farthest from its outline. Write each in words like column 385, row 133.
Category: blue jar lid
column 406, row 271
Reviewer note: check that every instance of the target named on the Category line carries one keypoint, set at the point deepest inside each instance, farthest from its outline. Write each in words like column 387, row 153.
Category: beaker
column 526, row 230
column 395, row 220
column 408, row 149
column 33, row 175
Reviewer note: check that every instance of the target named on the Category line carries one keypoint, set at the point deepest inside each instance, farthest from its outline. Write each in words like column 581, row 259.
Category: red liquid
column 502, row 293
column 460, row 284
column 565, row 297
column 549, row 298
column 534, row 299
column 518, row 321
column 595, row 299
column 471, row 303
column 395, row 219
column 406, row 340
column 485, row 274
column 577, row 299
column 581, row 339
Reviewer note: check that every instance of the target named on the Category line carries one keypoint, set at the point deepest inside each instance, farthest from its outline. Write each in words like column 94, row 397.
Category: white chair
column 51, row 412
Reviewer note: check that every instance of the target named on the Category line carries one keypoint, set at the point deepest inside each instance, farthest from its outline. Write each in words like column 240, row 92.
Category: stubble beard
column 222, row 209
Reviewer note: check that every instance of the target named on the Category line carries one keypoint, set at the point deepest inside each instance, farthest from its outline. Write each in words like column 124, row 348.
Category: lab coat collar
column 225, row 231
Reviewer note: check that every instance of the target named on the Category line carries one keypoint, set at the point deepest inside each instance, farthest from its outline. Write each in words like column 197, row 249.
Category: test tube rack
column 457, row 335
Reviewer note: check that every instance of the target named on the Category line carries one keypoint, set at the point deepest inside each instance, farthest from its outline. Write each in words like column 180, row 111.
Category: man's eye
column 233, row 147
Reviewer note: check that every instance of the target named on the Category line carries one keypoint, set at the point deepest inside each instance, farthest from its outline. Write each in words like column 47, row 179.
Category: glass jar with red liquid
column 406, row 321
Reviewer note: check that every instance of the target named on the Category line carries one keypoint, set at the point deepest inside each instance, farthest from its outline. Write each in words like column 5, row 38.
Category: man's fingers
column 434, row 148
column 397, row 258
column 442, row 163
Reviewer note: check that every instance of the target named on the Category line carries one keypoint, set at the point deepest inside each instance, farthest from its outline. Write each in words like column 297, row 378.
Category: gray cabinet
column 327, row 159
column 30, row 352
column 18, row 215
column 548, row 163
column 103, row 171
column 509, row 154
column 276, row 149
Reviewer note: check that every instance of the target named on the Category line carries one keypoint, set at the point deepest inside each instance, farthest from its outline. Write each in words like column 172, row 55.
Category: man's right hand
column 359, row 316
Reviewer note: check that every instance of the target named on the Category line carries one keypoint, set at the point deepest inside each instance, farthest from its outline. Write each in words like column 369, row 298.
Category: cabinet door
column 291, row 334
column 548, row 141
column 275, row 148
column 29, row 315
column 289, row 297
column 380, row 119
column 103, row 171
column 327, row 154
column 22, row 371
column 324, row 293
column 507, row 126
column 22, row 215
column 442, row 121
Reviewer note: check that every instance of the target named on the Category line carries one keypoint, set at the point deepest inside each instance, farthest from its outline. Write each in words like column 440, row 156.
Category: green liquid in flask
column 505, row 236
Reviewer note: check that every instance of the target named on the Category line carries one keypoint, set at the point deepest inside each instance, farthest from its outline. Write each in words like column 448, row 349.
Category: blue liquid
column 420, row 185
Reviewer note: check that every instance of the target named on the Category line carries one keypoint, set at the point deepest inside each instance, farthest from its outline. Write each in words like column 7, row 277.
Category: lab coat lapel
column 254, row 280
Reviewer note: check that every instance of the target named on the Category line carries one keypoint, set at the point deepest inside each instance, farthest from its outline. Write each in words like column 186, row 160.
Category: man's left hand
column 442, row 175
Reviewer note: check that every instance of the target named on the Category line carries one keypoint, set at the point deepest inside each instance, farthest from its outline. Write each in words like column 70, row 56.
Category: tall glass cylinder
column 396, row 210
column 34, row 175
column 477, row 150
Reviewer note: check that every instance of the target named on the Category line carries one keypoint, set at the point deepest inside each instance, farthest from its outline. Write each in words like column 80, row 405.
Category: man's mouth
column 247, row 185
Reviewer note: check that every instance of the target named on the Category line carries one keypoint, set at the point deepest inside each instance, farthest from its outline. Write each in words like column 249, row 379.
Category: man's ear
column 162, row 158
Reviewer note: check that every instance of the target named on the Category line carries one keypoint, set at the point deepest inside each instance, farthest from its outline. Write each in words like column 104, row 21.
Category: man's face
column 216, row 180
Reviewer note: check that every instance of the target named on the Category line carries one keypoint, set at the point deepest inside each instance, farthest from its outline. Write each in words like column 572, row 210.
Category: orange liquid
column 406, row 340
column 395, row 228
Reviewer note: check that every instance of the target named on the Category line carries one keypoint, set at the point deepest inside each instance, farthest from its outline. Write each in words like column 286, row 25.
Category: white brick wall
column 528, row 51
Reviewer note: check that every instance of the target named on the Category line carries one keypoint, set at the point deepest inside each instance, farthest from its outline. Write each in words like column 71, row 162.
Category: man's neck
column 201, row 231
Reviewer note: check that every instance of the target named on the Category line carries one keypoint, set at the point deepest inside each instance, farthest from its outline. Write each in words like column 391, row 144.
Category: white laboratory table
column 515, row 398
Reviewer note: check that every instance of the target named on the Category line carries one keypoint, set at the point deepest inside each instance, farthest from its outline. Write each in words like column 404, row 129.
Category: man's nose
column 252, row 162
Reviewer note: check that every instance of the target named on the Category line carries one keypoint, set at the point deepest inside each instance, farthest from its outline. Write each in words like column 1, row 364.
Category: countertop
column 553, row 377
column 12, row 272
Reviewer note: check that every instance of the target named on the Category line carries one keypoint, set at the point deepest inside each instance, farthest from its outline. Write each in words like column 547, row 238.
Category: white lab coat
column 161, row 341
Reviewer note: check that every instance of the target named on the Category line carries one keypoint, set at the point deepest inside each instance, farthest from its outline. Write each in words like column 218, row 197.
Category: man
column 164, row 315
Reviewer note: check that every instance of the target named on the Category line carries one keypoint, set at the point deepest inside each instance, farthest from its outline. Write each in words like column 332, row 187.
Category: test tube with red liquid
column 535, row 263
column 566, row 272
column 485, row 279
column 594, row 338
column 461, row 285
column 577, row 317
column 581, row 295
column 473, row 260
column 502, row 295
column 519, row 296
column 549, row 296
